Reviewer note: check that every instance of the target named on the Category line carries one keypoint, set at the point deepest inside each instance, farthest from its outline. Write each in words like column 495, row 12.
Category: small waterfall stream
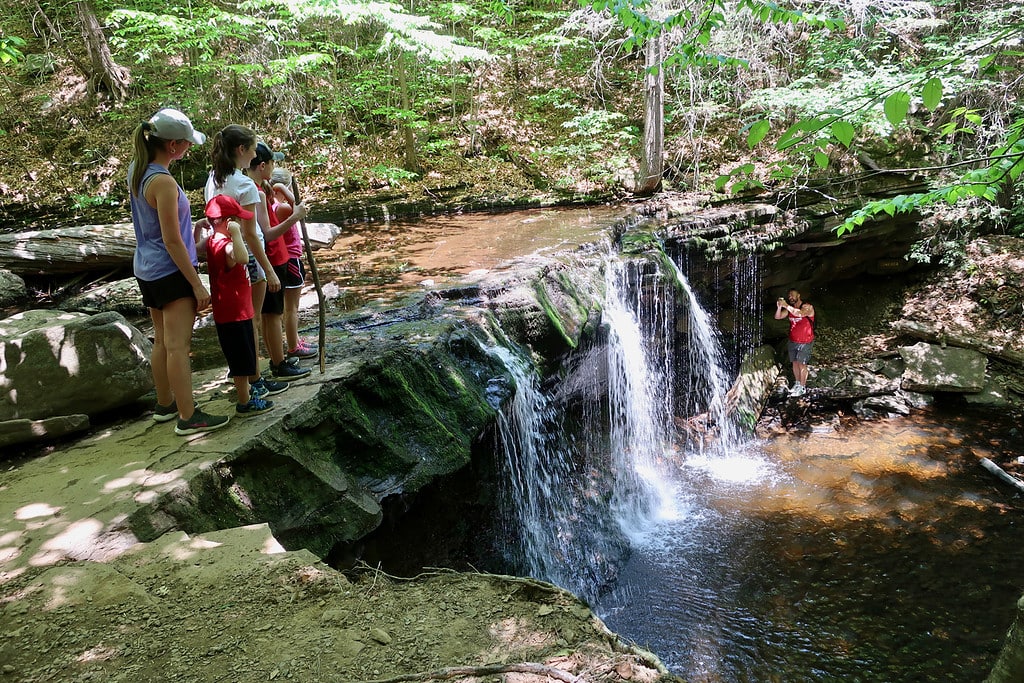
column 575, row 499
column 731, row 559
column 709, row 380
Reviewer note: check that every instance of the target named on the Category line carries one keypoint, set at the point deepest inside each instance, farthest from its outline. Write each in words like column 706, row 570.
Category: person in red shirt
column 801, row 335
column 227, row 259
column 260, row 170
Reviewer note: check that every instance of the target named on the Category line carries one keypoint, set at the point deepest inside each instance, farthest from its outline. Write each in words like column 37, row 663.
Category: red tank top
column 801, row 330
column 277, row 249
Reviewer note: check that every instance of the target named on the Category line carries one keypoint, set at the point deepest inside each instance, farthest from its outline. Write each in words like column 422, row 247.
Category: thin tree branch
column 460, row 671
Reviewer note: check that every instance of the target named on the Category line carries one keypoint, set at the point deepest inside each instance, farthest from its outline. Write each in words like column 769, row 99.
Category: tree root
column 460, row 671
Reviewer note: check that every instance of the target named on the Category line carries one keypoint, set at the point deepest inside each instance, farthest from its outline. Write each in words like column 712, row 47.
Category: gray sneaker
column 264, row 387
column 286, row 372
column 200, row 422
column 165, row 413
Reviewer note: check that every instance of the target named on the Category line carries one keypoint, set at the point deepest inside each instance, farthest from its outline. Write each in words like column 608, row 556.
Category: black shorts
column 296, row 275
column 273, row 304
column 158, row 293
column 239, row 347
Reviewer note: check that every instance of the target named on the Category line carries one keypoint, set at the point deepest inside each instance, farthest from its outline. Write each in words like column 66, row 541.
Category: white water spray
column 710, row 380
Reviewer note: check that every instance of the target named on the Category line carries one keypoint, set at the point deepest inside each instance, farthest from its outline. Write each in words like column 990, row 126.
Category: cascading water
column 582, row 484
column 639, row 394
column 553, row 509
column 538, row 477
column 708, row 379
column 746, row 302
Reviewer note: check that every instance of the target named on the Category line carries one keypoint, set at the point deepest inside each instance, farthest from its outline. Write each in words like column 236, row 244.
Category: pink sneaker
column 303, row 350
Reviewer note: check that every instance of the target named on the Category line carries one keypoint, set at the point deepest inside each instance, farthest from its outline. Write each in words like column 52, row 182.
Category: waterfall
column 639, row 395
column 709, row 379
column 746, row 302
column 536, row 475
column 586, row 466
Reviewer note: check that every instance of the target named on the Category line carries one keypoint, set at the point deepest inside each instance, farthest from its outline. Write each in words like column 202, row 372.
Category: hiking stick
column 316, row 280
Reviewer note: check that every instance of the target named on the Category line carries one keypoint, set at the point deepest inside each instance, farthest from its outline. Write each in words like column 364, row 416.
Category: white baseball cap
column 171, row 124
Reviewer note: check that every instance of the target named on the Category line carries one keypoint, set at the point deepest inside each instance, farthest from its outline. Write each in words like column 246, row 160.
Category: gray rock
column 12, row 288
column 930, row 368
column 58, row 363
column 24, row 431
column 994, row 395
column 887, row 404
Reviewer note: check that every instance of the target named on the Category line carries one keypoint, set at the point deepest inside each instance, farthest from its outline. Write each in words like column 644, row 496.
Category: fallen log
column 1002, row 475
column 940, row 335
column 65, row 251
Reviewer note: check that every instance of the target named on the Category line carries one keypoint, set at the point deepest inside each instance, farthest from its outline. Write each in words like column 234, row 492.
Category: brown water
column 381, row 260
column 880, row 552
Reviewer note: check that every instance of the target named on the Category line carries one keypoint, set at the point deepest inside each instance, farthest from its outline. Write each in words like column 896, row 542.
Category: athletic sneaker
column 288, row 372
column 165, row 413
column 797, row 390
column 264, row 387
column 200, row 422
column 304, row 350
column 255, row 406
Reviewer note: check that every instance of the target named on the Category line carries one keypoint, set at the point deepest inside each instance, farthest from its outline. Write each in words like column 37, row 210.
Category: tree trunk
column 411, row 161
column 652, row 164
column 106, row 73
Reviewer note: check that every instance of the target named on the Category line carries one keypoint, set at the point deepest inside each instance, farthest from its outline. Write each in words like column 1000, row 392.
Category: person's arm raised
column 252, row 240
column 236, row 253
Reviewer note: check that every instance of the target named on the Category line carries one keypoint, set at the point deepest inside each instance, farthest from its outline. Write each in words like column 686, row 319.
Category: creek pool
column 881, row 552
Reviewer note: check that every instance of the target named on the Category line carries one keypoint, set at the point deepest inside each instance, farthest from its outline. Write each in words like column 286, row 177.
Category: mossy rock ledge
column 405, row 393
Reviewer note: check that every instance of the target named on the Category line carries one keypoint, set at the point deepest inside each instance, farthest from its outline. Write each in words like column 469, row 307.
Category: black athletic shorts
column 274, row 303
column 159, row 293
column 296, row 275
column 239, row 347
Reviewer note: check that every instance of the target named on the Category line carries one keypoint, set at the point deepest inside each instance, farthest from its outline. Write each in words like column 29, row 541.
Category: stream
column 875, row 552
column 855, row 551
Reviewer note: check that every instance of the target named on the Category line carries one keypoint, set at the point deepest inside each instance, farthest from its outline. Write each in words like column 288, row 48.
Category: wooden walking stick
column 316, row 281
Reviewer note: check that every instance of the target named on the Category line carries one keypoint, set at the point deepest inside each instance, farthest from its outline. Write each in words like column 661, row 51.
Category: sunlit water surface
column 379, row 260
column 880, row 553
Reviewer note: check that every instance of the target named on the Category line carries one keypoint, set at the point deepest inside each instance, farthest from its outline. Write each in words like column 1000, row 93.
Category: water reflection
column 380, row 260
column 879, row 553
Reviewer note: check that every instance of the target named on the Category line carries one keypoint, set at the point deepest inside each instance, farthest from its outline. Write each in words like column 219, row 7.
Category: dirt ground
column 233, row 606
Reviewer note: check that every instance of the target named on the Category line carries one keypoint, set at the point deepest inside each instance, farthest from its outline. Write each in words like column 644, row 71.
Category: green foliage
column 393, row 174
column 10, row 49
column 86, row 201
column 1002, row 168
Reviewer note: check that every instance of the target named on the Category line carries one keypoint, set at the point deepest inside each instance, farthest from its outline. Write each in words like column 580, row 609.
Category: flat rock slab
column 107, row 477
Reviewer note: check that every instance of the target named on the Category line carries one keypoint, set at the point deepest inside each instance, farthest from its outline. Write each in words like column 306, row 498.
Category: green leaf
column 790, row 136
column 721, row 181
column 896, row 107
column 757, row 133
column 843, row 132
column 932, row 93
column 821, row 159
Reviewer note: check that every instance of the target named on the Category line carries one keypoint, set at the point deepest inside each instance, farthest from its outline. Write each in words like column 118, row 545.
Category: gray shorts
column 800, row 353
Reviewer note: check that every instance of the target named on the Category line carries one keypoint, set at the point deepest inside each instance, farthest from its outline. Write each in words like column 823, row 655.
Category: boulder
column 994, row 395
column 930, row 368
column 56, row 363
column 12, row 288
column 22, row 431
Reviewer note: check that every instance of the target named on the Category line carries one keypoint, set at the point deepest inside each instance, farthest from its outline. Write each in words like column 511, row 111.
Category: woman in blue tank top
column 165, row 264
